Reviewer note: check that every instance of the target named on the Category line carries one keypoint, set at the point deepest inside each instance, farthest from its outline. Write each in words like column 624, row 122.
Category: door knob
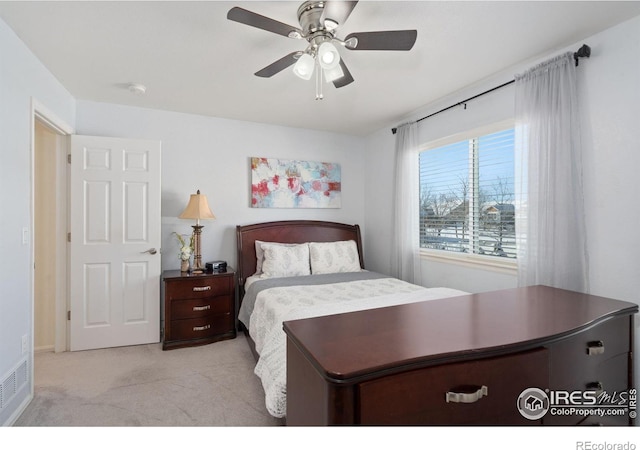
column 152, row 251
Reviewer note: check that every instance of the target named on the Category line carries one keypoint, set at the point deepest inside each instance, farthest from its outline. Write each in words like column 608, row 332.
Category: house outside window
column 467, row 196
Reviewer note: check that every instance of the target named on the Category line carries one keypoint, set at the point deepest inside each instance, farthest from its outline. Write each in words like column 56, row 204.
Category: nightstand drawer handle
column 477, row 392
column 201, row 288
column 206, row 327
column 201, row 308
column 595, row 348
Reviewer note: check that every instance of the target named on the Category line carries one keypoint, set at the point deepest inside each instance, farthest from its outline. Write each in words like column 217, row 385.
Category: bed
column 336, row 282
column 343, row 345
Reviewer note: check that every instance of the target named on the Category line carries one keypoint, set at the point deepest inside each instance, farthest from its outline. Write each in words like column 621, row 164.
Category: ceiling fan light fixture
column 330, row 75
column 304, row 66
column 328, row 55
column 319, row 20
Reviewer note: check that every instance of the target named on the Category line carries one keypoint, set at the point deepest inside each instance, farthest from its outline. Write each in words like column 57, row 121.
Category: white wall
column 609, row 93
column 22, row 77
column 610, row 100
column 213, row 155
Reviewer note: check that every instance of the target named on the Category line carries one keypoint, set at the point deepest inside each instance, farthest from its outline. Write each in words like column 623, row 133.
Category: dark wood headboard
column 289, row 232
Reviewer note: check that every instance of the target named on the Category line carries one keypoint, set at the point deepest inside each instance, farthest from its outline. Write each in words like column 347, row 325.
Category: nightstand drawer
column 200, row 287
column 187, row 309
column 202, row 327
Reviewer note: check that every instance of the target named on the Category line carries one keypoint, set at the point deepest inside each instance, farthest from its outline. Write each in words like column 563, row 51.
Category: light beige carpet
column 212, row 385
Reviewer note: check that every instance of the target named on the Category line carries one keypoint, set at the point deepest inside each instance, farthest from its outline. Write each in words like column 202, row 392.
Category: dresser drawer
column 186, row 309
column 200, row 287
column 582, row 359
column 202, row 327
column 597, row 359
column 613, row 377
column 420, row 396
column 605, row 421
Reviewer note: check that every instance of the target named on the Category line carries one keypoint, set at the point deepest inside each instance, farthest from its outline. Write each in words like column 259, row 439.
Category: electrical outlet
column 25, row 344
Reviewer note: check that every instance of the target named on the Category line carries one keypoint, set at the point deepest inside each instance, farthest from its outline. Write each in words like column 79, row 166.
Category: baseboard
column 44, row 348
column 18, row 412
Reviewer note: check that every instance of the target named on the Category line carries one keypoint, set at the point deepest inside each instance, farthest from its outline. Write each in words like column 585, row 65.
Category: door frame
column 39, row 112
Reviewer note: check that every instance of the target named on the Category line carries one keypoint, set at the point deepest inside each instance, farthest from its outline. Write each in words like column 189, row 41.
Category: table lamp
column 198, row 209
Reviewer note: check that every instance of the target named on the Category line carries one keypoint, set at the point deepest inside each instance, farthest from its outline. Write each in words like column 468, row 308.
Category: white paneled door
column 115, row 242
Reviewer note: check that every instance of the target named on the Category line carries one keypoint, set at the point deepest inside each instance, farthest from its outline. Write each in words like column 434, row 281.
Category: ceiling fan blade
column 383, row 40
column 256, row 20
column 346, row 78
column 337, row 10
column 279, row 65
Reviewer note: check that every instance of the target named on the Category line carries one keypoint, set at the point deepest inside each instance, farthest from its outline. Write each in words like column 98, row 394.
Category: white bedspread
column 276, row 305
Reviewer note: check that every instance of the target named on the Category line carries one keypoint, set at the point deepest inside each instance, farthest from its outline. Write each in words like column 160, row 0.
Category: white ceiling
column 193, row 60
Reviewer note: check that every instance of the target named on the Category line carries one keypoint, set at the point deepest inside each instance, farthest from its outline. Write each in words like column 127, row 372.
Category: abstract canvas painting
column 280, row 183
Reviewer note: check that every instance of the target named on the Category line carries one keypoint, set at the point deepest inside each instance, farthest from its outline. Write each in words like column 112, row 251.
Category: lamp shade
column 198, row 208
column 304, row 67
column 328, row 55
column 332, row 75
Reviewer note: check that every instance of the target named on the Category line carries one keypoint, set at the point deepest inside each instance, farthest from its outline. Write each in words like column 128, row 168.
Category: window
column 467, row 196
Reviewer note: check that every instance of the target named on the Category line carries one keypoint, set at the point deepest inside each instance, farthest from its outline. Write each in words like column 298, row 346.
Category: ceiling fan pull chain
column 319, row 95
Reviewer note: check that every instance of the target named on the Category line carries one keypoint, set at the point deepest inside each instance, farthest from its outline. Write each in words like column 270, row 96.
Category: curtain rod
column 583, row 52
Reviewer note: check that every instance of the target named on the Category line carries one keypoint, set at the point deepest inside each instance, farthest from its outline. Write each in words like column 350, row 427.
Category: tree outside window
column 467, row 196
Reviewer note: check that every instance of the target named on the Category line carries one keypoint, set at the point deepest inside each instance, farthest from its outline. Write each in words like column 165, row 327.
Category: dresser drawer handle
column 201, row 308
column 595, row 348
column 595, row 386
column 201, row 288
column 206, row 327
column 473, row 394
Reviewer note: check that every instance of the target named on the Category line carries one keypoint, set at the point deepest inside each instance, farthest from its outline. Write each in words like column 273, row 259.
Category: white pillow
column 334, row 257
column 260, row 253
column 285, row 260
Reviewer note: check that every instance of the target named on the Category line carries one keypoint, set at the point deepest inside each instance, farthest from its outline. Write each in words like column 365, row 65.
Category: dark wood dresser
column 472, row 360
column 198, row 308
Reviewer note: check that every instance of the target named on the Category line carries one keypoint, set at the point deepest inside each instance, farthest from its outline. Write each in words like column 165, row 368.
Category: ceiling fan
column 319, row 22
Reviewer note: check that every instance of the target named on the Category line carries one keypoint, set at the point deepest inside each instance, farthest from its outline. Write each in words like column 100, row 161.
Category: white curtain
column 405, row 244
column 550, row 209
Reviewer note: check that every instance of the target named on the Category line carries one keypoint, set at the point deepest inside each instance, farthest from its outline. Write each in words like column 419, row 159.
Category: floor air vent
column 12, row 383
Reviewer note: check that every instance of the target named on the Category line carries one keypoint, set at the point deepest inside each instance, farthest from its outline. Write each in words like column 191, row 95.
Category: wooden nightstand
column 198, row 308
